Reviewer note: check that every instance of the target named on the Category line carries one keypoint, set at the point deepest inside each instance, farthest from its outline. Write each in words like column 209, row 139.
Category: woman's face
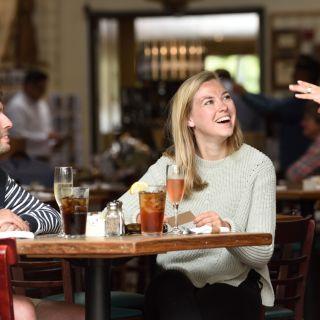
column 213, row 113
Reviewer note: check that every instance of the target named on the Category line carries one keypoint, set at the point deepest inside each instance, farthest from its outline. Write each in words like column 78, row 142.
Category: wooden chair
column 8, row 257
column 40, row 278
column 289, row 268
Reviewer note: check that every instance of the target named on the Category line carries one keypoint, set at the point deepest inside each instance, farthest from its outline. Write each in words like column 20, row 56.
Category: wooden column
column 127, row 52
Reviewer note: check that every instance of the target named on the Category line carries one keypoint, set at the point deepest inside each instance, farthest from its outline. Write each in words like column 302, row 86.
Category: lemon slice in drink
column 138, row 187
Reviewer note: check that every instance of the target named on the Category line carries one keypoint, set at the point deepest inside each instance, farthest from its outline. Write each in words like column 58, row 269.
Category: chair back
column 8, row 257
column 290, row 262
column 39, row 278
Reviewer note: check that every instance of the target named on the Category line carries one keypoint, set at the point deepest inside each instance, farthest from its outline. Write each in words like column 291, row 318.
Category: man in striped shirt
column 19, row 210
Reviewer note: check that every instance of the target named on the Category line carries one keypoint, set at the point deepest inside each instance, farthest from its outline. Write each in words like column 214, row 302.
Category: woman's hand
column 306, row 90
column 212, row 219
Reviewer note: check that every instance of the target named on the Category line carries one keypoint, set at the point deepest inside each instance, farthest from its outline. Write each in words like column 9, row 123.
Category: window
column 244, row 69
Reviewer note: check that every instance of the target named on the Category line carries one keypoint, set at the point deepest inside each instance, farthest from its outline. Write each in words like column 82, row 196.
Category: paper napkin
column 17, row 234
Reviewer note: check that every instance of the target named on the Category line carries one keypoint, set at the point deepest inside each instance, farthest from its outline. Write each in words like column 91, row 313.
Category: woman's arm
column 260, row 205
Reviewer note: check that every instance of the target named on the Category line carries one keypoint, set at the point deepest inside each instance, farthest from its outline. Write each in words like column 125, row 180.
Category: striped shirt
column 41, row 217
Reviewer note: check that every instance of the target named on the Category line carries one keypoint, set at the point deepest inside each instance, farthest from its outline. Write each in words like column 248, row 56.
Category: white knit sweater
column 241, row 188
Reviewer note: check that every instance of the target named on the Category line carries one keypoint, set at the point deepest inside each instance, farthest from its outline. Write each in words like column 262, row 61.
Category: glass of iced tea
column 152, row 203
column 74, row 211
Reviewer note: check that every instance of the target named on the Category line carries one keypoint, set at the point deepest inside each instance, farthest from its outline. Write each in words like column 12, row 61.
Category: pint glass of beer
column 152, row 203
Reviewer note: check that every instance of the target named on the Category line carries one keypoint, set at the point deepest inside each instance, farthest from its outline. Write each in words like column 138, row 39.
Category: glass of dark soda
column 74, row 211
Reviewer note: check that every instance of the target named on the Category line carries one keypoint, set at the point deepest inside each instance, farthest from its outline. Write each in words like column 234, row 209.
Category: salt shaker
column 122, row 226
column 113, row 220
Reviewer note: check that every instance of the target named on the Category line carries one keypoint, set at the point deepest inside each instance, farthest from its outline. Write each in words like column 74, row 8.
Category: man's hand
column 10, row 221
column 212, row 219
column 9, row 227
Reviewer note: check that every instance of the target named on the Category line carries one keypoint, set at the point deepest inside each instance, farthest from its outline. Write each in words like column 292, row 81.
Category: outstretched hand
column 306, row 90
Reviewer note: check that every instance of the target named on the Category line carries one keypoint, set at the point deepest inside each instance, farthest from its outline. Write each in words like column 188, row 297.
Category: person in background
column 227, row 184
column 309, row 163
column 24, row 169
column 250, row 120
column 32, row 117
column 126, row 159
column 306, row 90
column 287, row 112
column 19, row 210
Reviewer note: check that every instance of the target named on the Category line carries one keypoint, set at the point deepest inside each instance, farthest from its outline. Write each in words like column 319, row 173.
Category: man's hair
column 34, row 76
column 309, row 64
column 223, row 74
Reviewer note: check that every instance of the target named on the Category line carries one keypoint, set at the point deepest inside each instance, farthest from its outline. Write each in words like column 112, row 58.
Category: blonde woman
column 306, row 90
column 228, row 183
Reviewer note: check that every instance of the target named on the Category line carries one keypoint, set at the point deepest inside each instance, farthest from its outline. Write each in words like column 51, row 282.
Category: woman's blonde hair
column 184, row 144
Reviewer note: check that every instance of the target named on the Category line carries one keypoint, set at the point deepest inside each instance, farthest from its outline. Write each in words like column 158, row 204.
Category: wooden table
column 288, row 217
column 99, row 252
column 298, row 194
column 304, row 200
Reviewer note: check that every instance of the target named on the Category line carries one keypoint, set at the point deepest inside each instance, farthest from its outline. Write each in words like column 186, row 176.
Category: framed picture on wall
column 285, row 48
column 286, row 43
column 282, row 74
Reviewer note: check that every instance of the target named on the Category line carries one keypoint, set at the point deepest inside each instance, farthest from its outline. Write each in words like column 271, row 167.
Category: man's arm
column 259, row 102
column 264, row 104
column 41, row 217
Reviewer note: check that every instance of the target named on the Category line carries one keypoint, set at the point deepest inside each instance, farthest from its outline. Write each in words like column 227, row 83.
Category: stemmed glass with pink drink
column 175, row 191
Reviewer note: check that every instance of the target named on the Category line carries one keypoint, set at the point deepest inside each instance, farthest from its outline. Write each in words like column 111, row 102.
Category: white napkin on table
column 207, row 229
column 17, row 234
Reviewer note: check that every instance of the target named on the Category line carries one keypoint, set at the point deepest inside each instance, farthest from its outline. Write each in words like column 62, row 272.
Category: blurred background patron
column 309, row 163
column 31, row 115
